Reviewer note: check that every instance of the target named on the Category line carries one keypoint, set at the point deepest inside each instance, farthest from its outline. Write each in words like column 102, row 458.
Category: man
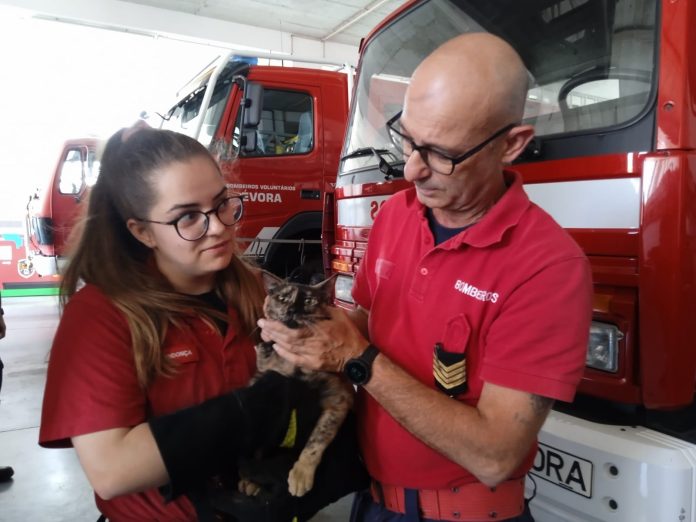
column 467, row 291
column 6, row 472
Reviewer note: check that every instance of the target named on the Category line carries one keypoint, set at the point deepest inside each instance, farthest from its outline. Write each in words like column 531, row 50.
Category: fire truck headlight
column 344, row 284
column 603, row 347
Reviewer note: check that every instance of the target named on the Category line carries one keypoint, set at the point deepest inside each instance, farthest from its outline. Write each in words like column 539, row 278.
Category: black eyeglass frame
column 456, row 160
column 175, row 222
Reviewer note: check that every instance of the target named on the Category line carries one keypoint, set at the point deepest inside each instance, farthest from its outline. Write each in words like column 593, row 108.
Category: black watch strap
column 359, row 369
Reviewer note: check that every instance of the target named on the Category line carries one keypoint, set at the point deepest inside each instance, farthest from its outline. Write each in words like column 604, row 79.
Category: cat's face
column 295, row 304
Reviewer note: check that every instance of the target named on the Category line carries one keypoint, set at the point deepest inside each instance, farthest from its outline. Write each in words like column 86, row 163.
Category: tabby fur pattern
column 297, row 306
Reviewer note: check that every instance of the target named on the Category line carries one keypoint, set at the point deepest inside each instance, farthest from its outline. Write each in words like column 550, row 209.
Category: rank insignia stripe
column 449, row 371
column 450, row 377
column 453, row 380
column 449, row 368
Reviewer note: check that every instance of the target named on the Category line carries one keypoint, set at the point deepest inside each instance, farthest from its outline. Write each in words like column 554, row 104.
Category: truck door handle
column 309, row 194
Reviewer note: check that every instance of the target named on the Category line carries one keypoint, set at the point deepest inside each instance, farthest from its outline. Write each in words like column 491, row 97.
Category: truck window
column 92, row 171
column 71, row 172
column 184, row 117
column 287, row 124
column 591, row 63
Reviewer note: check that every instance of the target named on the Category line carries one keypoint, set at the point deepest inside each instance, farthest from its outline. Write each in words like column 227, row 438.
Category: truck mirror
column 253, row 104
column 249, row 140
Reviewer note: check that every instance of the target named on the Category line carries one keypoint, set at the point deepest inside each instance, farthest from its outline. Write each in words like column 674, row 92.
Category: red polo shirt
column 92, row 386
column 513, row 292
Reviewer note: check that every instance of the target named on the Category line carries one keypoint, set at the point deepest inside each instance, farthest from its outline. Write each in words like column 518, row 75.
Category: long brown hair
column 107, row 255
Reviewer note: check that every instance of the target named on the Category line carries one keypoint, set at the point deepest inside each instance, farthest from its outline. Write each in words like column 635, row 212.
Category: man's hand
column 325, row 345
column 2, row 327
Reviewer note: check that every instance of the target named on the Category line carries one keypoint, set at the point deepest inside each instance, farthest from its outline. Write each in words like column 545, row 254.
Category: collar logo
column 478, row 294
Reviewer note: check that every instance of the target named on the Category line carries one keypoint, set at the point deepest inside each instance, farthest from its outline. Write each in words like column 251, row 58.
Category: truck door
column 282, row 178
column 75, row 173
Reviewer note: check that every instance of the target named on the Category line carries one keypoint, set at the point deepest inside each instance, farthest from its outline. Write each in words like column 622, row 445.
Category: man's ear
column 516, row 141
column 141, row 232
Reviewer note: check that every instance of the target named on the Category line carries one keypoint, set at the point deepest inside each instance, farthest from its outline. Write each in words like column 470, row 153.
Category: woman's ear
column 141, row 232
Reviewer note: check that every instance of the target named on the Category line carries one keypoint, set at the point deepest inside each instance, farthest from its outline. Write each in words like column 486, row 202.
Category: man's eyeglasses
column 193, row 225
column 437, row 161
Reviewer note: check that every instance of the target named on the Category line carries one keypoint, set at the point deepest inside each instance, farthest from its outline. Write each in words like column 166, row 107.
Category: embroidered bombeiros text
column 476, row 293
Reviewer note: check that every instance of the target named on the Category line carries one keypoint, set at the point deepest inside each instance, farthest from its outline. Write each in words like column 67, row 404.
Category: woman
column 163, row 322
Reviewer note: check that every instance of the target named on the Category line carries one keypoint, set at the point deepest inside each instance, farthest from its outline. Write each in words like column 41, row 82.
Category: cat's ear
column 326, row 287
column 270, row 280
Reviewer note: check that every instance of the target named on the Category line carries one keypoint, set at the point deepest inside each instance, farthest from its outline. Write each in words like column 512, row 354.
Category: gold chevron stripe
column 450, row 385
column 447, row 381
column 456, row 367
column 449, row 376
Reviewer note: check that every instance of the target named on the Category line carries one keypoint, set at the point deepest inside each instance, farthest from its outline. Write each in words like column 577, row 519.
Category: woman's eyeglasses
column 194, row 224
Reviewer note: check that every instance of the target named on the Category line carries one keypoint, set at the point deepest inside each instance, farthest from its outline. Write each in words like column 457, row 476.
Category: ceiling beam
column 154, row 21
column 345, row 24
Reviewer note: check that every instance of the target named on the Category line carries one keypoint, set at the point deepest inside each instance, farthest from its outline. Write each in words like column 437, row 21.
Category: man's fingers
column 273, row 329
column 287, row 354
column 277, row 331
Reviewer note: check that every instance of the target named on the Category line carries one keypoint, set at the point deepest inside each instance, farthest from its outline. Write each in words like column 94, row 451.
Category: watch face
column 356, row 371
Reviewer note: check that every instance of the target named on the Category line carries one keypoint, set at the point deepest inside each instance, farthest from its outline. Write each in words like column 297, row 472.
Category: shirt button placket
column 420, row 283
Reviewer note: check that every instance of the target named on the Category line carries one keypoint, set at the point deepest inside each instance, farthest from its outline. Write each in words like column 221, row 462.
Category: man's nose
column 415, row 168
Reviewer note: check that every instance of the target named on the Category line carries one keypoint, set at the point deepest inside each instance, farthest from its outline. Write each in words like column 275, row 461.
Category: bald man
column 473, row 304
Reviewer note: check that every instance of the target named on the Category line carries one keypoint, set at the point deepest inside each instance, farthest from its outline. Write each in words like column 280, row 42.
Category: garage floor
column 48, row 485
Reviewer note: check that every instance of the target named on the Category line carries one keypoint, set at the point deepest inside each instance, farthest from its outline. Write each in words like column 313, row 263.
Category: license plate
column 563, row 469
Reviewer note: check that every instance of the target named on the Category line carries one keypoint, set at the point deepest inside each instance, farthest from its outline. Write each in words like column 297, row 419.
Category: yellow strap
column 291, row 434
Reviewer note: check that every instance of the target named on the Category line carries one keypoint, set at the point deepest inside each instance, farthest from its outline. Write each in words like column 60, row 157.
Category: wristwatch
column 359, row 369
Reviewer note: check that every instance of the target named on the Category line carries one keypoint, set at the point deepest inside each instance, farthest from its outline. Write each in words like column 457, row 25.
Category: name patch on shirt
column 181, row 354
column 472, row 291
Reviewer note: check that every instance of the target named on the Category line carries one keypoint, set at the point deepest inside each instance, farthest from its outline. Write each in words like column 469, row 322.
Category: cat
column 298, row 305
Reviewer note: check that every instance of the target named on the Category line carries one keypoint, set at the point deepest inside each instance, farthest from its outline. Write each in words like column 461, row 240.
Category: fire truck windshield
column 183, row 117
column 591, row 63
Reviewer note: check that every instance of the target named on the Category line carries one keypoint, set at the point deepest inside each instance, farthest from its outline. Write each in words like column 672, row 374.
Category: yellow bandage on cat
column 291, row 434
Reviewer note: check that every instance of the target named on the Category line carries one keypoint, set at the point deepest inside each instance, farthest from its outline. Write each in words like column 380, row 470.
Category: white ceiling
column 311, row 30
column 338, row 21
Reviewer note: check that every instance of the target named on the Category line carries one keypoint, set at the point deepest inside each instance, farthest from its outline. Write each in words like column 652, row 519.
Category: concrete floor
column 48, row 485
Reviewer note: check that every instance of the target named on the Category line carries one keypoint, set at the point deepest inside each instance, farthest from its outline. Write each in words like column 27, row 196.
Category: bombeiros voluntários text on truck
column 276, row 131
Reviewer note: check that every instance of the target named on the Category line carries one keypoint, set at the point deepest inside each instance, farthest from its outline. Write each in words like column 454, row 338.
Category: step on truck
column 614, row 162
column 277, row 133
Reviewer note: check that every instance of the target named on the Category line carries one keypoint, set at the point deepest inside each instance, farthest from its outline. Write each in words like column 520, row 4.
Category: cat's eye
column 283, row 298
column 310, row 301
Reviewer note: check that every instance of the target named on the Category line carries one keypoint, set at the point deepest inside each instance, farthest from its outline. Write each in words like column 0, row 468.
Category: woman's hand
column 325, row 345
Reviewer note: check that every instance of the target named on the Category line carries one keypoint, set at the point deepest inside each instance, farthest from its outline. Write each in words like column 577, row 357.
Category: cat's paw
column 247, row 487
column 301, row 478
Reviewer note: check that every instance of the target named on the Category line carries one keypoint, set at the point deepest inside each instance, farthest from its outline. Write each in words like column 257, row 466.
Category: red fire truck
column 614, row 163
column 283, row 160
column 277, row 133
column 53, row 208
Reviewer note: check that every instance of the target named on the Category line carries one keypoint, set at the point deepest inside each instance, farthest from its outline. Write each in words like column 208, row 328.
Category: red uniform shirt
column 92, row 385
column 513, row 292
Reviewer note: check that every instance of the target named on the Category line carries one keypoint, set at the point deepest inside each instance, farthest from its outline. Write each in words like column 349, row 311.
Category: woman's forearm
column 121, row 460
